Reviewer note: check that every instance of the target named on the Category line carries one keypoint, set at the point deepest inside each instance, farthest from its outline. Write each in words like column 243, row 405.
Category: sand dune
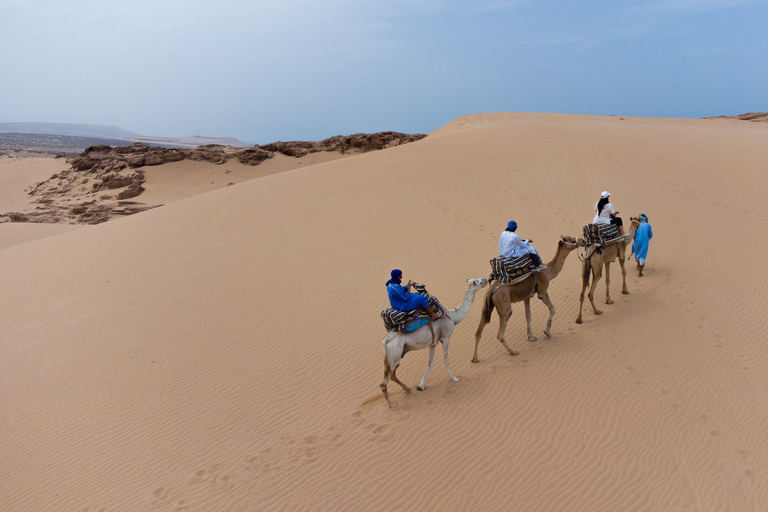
column 223, row 352
column 164, row 184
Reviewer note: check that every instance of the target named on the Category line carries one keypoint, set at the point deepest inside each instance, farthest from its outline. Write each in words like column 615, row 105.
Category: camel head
column 569, row 242
column 480, row 282
column 572, row 242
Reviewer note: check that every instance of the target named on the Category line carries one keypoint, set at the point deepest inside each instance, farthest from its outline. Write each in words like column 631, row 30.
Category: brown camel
column 501, row 296
column 593, row 262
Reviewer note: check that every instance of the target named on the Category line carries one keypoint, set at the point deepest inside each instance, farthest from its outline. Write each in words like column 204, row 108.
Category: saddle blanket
column 406, row 321
column 601, row 234
column 511, row 270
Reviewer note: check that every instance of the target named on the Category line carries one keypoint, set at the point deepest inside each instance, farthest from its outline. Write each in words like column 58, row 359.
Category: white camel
column 396, row 344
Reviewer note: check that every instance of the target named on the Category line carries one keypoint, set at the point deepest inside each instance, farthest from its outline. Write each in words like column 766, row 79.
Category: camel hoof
column 608, row 301
column 419, row 388
column 455, row 379
column 547, row 334
column 475, row 361
column 514, row 353
column 578, row 320
column 533, row 338
column 625, row 292
column 598, row 312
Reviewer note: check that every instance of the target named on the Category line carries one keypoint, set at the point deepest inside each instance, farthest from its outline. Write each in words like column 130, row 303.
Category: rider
column 606, row 214
column 512, row 246
column 401, row 299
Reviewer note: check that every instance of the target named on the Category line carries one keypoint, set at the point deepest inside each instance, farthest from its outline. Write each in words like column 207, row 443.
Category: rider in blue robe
column 643, row 236
column 401, row 299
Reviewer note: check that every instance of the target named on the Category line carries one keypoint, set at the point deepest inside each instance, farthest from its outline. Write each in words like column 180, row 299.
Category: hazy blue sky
column 307, row 70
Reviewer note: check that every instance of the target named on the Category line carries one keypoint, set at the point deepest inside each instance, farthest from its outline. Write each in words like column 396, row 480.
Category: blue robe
column 643, row 235
column 401, row 299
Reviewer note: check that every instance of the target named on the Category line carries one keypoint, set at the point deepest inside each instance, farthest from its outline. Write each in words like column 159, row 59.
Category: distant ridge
column 755, row 117
column 72, row 130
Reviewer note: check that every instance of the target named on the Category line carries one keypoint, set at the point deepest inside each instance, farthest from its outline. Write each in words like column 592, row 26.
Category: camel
column 593, row 264
column 502, row 296
column 397, row 344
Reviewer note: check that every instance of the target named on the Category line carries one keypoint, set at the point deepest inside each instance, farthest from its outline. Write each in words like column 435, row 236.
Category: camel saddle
column 406, row 321
column 601, row 234
column 511, row 270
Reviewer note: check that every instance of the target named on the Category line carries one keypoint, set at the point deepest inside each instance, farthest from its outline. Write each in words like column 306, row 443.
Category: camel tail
column 391, row 356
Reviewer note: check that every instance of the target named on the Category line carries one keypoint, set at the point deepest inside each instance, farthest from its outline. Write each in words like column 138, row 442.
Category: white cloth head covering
column 605, row 194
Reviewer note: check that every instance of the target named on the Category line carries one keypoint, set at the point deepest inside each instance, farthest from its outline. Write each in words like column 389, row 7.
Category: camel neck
column 556, row 265
column 458, row 314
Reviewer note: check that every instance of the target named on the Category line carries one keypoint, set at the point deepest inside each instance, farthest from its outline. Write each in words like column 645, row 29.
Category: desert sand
column 223, row 352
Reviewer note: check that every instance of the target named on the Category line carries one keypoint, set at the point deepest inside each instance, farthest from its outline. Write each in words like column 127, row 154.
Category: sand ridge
column 224, row 352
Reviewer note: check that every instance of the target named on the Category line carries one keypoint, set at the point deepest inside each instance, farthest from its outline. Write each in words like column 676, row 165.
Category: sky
column 308, row 69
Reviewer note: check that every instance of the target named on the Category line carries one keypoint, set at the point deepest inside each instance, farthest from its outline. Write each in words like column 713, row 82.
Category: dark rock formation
column 107, row 168
column 755, row 117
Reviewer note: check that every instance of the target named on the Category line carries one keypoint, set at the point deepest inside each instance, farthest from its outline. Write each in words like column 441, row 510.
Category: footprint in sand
column 745, row 453
column 162, row 493
column 716, row 433
column 750, row 473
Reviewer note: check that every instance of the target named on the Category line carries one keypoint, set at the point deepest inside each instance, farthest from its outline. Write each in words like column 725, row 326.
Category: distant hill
column 755, row 117
column 190, row 142
column 123, row 137
column 71, row 130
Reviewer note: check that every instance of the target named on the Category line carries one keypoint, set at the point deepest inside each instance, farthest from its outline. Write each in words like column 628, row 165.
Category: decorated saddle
column 511, row 270
column 601, row 234
column 406, row 321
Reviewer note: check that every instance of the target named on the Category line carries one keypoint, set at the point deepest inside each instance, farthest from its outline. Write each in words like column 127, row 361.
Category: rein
column 587, row 258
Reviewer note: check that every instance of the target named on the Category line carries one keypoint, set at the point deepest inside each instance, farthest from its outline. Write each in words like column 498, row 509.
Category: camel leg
column 384, row 382
column 624, row 288
column 608, row 283
column 596, row 274
column 585, row 271
column 503, row 319
column 478, row 333
column 527, row 303
column 423, row 382
column 397, row 381
column 551, row 307
column 447, row 362
column 386, row 395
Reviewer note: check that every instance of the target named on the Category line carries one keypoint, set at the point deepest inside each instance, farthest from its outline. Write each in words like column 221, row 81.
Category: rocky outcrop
column 97, row 158
column 357, row 143
column 88, row 212
column 755, row 117
column 101, row 170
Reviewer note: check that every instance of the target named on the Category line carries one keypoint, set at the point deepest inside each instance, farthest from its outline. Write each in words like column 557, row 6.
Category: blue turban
column 643, row 217
column 512, row 225
column 396, row 275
